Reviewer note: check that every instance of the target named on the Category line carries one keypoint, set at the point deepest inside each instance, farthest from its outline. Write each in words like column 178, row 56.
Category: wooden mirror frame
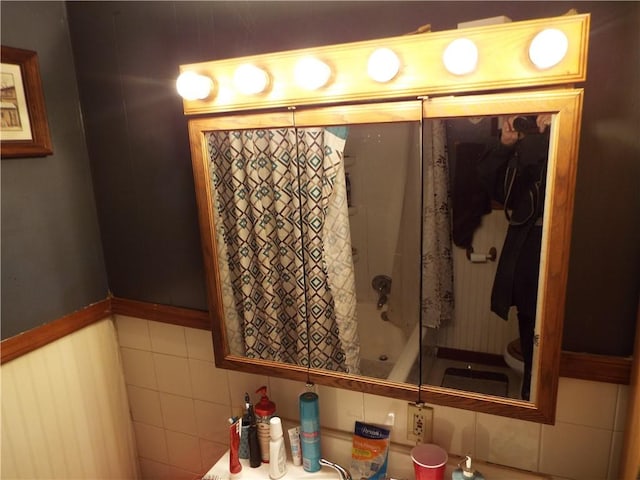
column 505, row 71
column 565, row 105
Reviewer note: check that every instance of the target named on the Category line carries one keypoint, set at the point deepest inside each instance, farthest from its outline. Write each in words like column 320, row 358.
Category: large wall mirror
column 367, row 245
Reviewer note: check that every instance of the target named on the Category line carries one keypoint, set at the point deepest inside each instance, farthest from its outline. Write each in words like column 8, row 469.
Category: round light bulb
column 548, row 48
column 250, row 80
column 311, row 73
column 192, row 86
column 461, row 56
column 383, row 65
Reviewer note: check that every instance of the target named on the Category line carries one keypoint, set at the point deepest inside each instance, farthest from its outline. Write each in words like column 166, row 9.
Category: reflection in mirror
column 481, row 251
column 384, row 201
column 297, row 214
column 320, row 228
column 382, row 163
column 282, row 237
column 474, row 341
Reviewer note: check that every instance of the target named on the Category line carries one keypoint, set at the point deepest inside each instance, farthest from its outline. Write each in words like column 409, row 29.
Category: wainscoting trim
column 597, row 368
column 14, row 347
column 185, row 317
column 584, row 366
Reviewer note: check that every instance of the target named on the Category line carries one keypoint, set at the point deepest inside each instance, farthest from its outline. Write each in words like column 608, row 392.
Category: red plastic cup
column 429, row 461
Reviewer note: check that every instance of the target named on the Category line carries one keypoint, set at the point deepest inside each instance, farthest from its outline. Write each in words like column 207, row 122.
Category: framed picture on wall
column 24, row 129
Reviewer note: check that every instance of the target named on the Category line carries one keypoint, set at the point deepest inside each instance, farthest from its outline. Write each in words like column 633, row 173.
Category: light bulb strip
column 502, row 62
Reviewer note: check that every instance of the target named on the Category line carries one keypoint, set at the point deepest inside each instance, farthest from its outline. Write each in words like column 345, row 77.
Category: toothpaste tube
column 294, row 440
column 234, row 445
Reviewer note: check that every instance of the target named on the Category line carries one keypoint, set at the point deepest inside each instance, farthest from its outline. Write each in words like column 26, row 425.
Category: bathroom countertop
column 492, row 471
column 220, row 471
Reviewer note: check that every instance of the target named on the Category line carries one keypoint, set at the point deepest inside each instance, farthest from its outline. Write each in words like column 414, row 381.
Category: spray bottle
column 264, row 410
column 310, row 431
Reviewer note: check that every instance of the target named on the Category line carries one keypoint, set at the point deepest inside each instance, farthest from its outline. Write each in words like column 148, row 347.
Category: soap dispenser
column 465, row 471
column 264, row 410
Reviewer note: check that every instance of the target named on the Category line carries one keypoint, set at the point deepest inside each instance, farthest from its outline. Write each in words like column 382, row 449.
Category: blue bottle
column 310, row 431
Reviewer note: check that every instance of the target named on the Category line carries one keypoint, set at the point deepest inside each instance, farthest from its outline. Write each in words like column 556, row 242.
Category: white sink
column 220, row 471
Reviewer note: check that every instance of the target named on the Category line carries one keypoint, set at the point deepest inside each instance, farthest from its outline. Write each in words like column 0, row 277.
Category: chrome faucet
column 344, row 474
column 382, row 285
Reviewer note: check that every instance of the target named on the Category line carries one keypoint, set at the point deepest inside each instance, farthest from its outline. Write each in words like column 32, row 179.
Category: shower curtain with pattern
column 284, row 246
column 437, row 303
column 432, row 281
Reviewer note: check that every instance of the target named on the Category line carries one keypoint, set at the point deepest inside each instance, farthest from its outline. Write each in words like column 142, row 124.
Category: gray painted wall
column 127, row 56
column 127, row 59
column 52, row 260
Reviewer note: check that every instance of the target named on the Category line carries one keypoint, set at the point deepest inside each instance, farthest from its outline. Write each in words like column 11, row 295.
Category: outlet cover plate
column 419, row 423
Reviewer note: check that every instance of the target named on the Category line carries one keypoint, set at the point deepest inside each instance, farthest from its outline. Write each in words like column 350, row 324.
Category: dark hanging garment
column 470, row 201
column 515, row 176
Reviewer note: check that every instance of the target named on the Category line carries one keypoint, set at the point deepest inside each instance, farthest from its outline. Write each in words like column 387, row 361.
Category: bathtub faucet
column 382, row 285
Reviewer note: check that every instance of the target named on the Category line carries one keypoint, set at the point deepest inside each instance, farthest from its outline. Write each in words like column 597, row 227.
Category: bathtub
column 385, row 352
column 408, row 358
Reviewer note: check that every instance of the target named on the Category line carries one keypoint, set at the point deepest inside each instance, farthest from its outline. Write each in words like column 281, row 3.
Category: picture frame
column 24, row 128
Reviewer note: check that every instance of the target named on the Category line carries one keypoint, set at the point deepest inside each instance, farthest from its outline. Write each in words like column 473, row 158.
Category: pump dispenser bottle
column 264, row 410
column 310, row 431
column 277, row 454
column 465, row 471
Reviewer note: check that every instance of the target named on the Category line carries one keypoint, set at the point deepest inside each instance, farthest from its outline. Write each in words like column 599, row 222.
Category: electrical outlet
column 419, row 423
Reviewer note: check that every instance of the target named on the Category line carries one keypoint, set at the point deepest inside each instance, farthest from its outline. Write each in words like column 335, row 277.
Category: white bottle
column 277, row 454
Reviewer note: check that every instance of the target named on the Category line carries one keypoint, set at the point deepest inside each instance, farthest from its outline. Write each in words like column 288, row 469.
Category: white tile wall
column 575, row 451
column 152, row 443
column 182, row 381
column 169, row 339
column 138, row 368
column 199, row 344
column 339, row 409
column 178, row 413
column 173, row 374
column 208, row 382
column 184, row 451
column 144, row 405
column 179, row 400
column 579, row 399
column 212, row 421
column 285, row 394
column 507, row 441
column 455, row 430
column 133, row 333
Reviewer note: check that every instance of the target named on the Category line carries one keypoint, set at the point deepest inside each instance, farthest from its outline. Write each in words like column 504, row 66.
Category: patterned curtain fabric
column 280, row 198
column 437, row 262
